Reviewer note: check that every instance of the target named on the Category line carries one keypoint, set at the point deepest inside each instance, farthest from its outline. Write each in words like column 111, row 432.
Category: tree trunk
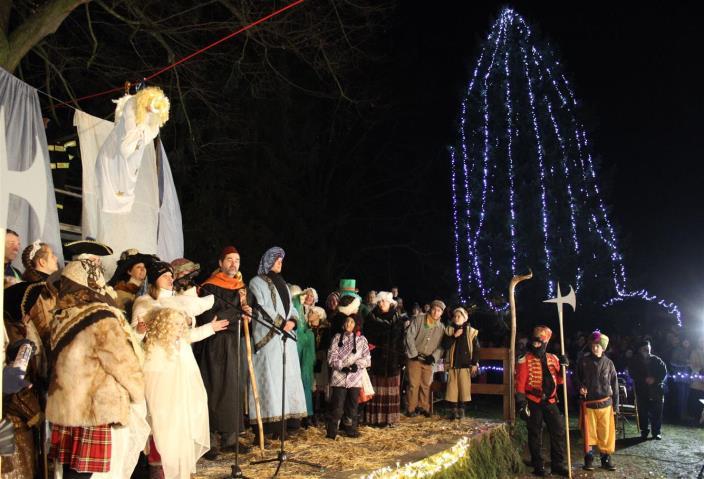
column 45, row 21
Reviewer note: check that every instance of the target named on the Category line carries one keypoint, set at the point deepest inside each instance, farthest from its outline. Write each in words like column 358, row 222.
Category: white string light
column 567, row 171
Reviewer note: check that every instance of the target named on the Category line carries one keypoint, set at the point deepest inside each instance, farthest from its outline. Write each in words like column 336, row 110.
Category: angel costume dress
column 176, row 397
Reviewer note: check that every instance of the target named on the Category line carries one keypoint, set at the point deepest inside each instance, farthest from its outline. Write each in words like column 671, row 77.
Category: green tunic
column 306, row 353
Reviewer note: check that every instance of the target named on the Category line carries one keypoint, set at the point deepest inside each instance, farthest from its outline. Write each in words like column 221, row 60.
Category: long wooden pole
column 512, row 345
column 564, row 389
column 252, row 376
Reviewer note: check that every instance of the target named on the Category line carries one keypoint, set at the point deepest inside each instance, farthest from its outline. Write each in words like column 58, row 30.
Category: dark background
column 634, row 70
column 370, row 197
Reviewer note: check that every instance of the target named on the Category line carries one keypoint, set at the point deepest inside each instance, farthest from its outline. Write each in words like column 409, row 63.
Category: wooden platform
column 414, row 439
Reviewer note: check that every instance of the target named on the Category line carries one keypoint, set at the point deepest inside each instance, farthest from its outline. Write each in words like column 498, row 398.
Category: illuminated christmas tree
column 524, row 183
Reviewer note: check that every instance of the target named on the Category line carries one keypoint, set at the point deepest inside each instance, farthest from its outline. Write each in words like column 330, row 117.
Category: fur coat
column 96, row 376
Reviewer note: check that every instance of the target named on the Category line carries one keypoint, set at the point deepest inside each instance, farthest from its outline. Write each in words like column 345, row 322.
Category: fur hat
column 543, row 333
column 349, row 305
column 438, row 303
column 313, row 292
column 385, row 295
column 183, row 265
column 599, row 337
column 86, row 273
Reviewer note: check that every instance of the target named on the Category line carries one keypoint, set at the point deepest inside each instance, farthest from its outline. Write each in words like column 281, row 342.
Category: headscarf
column 269, row 258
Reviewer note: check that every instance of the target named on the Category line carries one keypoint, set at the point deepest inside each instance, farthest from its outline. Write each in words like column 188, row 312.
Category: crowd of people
column 109, row 357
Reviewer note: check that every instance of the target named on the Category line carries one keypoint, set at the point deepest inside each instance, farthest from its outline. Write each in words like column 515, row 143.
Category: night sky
column 635, row 72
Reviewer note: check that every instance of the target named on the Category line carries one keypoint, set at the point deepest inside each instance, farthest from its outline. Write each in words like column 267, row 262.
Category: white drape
column 26, row 140
column 140, row 227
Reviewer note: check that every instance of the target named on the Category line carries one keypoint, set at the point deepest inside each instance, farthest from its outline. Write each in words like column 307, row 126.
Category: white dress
column 176, row 398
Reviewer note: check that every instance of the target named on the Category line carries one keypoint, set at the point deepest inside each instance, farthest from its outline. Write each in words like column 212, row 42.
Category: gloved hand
column 429, row 359
column 13, row 380
column 564, row 360
column 353, row 368
column 345, row 370
column 522, row 408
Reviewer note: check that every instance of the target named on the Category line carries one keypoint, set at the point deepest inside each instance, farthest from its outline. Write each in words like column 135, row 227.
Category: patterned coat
column 529, row 376
column 268, row 358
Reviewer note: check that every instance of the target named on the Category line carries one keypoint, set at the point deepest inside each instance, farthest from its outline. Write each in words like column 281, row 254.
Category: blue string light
column 508, row 141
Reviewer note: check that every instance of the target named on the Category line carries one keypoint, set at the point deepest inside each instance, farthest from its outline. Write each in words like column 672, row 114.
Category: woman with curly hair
column 176, row 397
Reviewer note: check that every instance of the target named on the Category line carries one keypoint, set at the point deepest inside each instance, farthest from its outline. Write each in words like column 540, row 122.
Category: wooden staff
column 252, row 377
column 512, row 345
column 560, row 300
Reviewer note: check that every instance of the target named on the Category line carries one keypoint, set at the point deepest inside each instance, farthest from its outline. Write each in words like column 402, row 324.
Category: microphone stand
column 282, row 456
column 236, row 470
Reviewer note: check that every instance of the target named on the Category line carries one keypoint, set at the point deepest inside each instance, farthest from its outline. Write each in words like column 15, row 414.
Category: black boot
column 588, row 462
column 460, row 411
column 539, row 471
column 332, row 430
column 606, row 463
column 560, row 470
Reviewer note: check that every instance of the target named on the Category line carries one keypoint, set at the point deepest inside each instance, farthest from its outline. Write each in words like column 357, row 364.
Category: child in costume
column 176, row 397
column 598, row 389
column 461, row 347
column 538, row 374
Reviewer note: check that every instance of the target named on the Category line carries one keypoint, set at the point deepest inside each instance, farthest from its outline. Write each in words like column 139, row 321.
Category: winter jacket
column 424, row 340
column 386, row 332
column 461, row 352
column 598, row 376
column 654, row 367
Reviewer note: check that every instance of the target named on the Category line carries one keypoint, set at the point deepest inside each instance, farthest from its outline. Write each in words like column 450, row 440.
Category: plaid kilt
column 83, row 449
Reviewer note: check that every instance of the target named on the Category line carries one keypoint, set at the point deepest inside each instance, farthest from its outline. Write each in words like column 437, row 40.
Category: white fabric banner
column 25, row 141
column 170, row 242
column 138, row 228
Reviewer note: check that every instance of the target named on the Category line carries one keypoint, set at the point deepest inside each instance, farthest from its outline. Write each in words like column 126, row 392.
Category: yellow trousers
column 598, row 428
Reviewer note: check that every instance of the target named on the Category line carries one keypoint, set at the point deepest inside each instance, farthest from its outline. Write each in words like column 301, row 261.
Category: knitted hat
column 348, row 287
column 463, row 312
column 385, row 295
column 156, row 268
column 599, row 337
column 227, row 250
column 543, row 333
column 438, row 303
column 349, row 305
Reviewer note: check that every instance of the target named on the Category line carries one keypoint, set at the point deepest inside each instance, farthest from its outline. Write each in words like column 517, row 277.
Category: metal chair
column 626, row 409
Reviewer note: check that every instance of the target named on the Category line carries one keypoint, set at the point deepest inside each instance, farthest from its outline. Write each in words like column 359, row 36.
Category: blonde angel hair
column 164, row 327
column 151, row 100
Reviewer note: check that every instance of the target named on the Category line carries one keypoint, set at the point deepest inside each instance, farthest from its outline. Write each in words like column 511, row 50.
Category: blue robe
column 268, row 358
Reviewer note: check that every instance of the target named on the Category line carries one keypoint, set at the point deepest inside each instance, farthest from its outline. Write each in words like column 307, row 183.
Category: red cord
column 198, row 52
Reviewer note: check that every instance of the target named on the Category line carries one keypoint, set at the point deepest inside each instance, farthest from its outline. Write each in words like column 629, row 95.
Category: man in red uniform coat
column 537, row 377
